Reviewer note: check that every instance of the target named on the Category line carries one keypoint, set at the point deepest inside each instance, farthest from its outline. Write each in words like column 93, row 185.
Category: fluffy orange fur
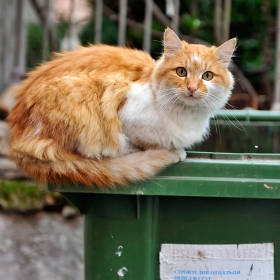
column 66, row 127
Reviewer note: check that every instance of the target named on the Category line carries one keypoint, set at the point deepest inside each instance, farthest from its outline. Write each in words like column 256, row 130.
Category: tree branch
column 42, row 19
column 160, row 15
column 245, row 85
column 155, row 33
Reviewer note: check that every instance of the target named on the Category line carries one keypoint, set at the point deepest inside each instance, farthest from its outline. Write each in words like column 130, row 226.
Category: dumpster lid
column 248, row 115
column 205, row 174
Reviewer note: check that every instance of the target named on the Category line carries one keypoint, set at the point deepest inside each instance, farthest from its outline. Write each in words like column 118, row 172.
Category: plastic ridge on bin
column 205, row 175
column 248, row 115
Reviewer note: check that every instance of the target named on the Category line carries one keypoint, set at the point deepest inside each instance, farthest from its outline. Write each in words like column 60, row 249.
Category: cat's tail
column 102, row 172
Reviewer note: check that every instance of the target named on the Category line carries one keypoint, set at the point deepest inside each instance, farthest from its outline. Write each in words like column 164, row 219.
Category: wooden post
column 71, row 25
column 176, row 16
column 169, row 8
column 7, row 39
column 148, row 25
column 266, row 54
column 227, row 14
column 2, row 39
column 42, row 17
column 276, row 99
column 10, row 40
column 20, row 39
column 98, row 21
column 122, row 22
column 46, row 27
column 217, row 22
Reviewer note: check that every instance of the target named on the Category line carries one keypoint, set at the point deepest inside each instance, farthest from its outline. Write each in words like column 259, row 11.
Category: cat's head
column 194, row 74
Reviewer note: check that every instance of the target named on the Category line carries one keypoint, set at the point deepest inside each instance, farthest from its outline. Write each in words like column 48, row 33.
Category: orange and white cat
column 104, row 115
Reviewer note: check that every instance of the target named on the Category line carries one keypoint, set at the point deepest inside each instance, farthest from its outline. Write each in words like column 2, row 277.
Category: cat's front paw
column 180, row 155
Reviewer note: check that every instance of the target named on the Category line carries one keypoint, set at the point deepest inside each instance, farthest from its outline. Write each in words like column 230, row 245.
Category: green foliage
column 34, row 45
column 35, row 33
column 21, row 195
column 190, row 22
column 61, row 29
column 109, row 35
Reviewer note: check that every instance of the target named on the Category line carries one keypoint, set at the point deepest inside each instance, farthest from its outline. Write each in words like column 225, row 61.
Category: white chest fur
column 161, row 121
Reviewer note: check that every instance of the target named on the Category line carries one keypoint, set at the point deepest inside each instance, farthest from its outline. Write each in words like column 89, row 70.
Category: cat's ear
column 171, row 42
column 225, row 51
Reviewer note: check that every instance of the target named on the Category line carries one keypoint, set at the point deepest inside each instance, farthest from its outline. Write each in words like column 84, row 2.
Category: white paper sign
column 217, row 262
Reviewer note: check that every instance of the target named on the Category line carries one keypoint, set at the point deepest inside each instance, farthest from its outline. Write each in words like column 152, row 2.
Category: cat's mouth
column 190, row 97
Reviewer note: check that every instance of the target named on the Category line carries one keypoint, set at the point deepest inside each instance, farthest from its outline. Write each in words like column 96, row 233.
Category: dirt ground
column 41, row 246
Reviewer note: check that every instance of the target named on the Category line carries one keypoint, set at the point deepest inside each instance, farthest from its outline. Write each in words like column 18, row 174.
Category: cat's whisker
column 161, row 109
column 217, row 127
column 165, row 102
column 233, row 107
column 228, row 121
column 173, row 102
column 243, row 129
column 164, row 92
column 219, row 130
column 213, row 101
column 219, row 101
column 160, row 106
column 207, row 107
column 164, row 96
column 214, row 104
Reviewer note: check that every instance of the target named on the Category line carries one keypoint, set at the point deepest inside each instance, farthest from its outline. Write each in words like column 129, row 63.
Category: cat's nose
column 192, row 89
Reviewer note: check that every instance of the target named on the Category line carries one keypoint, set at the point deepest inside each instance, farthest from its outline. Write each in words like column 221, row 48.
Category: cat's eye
column 181, row 72
column 207, row 76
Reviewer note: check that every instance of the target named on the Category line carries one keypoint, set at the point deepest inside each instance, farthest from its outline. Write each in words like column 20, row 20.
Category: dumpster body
column 210, row 198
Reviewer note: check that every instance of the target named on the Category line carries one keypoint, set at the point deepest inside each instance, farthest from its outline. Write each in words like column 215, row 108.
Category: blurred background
column 31, row 30
column 46, row 240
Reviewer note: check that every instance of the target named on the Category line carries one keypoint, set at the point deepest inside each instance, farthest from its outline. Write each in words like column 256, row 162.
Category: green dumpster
column 243, row 131
column 210, row 201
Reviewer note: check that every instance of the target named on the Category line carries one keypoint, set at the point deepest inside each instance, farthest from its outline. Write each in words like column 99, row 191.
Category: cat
column 105, row 115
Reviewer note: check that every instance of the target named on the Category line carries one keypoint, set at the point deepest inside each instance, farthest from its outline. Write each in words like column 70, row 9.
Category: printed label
column 217, row 262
